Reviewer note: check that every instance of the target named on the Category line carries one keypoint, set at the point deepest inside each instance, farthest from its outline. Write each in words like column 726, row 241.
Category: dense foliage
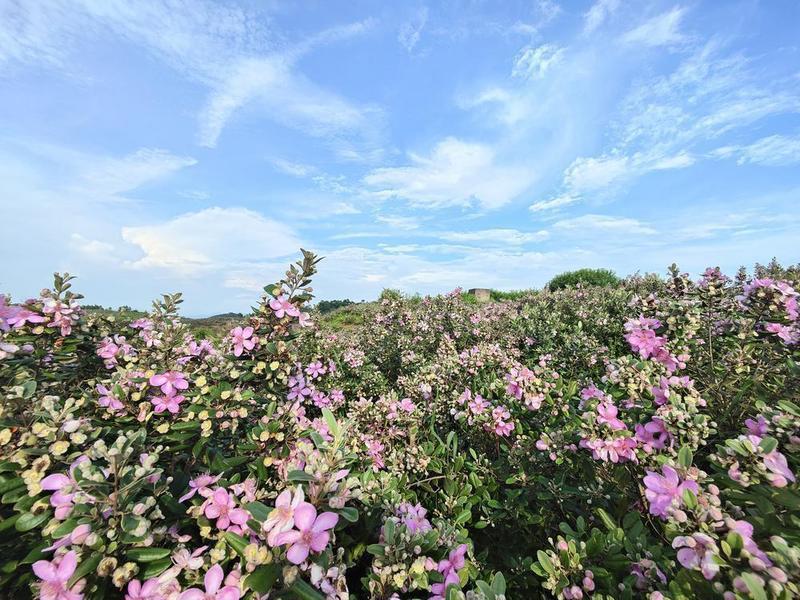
column 637, row 441
column 326, row 306
column 598, row 277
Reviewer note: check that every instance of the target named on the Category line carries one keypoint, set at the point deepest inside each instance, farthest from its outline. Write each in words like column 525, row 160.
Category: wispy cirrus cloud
column 661, row 30
column 771, row 151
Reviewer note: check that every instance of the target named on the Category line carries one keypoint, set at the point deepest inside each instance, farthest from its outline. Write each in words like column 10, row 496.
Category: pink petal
column 319, row 541
column 67, row 566
column 55, row 482
column 297, row 553
column 325, row 521
column 44, row 570
column 192, row 594
column 229, row 592
column 287, row 537
column 304, row 516
column 213, row 579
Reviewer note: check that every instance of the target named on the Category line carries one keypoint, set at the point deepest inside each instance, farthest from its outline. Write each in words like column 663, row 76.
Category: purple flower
column 664, row 492
column 759, row 427
column 413, row 517
column 653, row 435
column 697, row 552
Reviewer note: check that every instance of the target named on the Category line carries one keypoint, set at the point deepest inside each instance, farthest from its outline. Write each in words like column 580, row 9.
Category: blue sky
column 156, row 146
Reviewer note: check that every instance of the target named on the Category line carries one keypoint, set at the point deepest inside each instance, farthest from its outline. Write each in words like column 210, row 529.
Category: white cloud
column 604, row 223
column 678, row 161
column 411, row 30
column 661, row 30
column 494, row 236
column 395, row 222
column 93, row 248
column 211, row 239
column 457, row 173
column 772, row 151
column 590, row 174
column 118, row 175
column 533, row 63
column 222, row 46
column 599, row 12
column 286, row 96
column 553, row 203
column 292, row 168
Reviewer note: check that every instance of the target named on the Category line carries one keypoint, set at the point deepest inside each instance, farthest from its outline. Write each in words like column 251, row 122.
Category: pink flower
column 759, row 427
column 108, row 400
column 222, row 507
column 311, row 533
column 65, row 488
column 200, row 484
column 449, row 567
column 745, row 529
column 6, row 313
column 502, row 425
column 697, row 553
column 167, row 403
column 149, row 590
column 413, row 517
column 281, row 518
column 283, row 307
column 665, row 492
column 77, row 536
column 614, row 450
column 170, row 382
column 189, row 560
column 22, row 316
column 304, row 320
column 780, row 474
column 607, row 413
column 242, row 340
column 315, row 369
column 55, row 575
column 653, row 435
column 213, row 581
column 477, row 405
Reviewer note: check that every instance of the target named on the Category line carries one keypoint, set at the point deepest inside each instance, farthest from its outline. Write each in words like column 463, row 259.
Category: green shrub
column 597, row 277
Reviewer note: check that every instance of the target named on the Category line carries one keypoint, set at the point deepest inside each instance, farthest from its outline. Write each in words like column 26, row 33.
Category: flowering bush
column 635, row 442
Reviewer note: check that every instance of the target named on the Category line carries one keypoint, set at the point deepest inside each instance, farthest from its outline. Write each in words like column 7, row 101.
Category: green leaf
column 499, row 584
column 85, row 567
column 28, row 521
column 330, row 420
column 259, row 510
column 768, row 444
column 348, row 513
column 606, row 519
column 463, row 517
column 145, row 555
column 545, row 561
column 388, row 531
column 376, row 549
column 155, row 568
column 485, row 589
column 302, row 476
column 263, row 578
column 754, row 586
column 235, row 541
column 685, row 457
column 304, row 591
